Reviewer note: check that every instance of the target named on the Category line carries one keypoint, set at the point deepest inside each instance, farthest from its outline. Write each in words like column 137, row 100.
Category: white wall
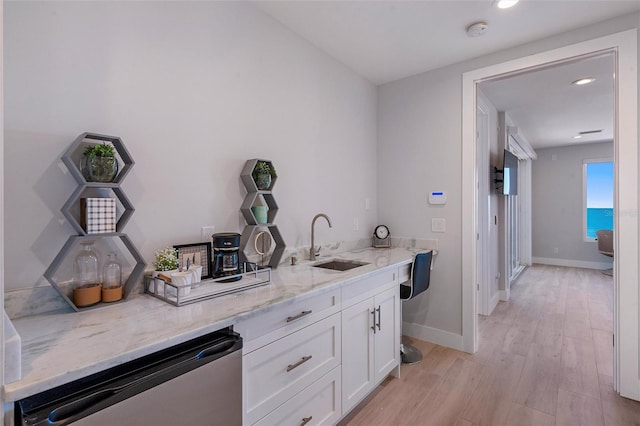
column 419, row 149
column 194, row 89
column 557, row 199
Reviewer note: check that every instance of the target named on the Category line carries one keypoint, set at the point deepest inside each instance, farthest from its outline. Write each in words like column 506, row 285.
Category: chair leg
column 410, row 354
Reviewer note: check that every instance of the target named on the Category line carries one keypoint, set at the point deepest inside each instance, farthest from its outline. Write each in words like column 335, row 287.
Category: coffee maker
column 226, row 259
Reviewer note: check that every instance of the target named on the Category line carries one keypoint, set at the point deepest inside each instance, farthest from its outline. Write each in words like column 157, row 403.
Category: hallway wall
column 557, row 214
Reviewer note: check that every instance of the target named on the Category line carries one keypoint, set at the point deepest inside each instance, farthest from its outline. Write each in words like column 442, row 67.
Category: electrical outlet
column 356, row 224
column 206, row 232
column 555, row 250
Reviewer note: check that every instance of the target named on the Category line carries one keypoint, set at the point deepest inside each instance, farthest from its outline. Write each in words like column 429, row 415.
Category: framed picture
column 197, row 254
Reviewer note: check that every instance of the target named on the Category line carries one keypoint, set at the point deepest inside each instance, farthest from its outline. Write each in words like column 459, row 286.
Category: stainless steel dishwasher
column 198, row 382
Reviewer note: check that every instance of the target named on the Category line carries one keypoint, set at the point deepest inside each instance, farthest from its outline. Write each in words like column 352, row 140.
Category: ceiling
column 389, row 40
column 549, row 111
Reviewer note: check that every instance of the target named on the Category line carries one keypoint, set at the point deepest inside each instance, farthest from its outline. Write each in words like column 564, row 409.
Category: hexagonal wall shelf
column 247, row 175
column 253, row 195
column 71, row 209
column 72, row 155
column 72, row 244
column 250, row 233
column 250, row 201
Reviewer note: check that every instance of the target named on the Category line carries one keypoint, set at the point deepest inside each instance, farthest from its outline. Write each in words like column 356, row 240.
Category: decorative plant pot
column 263, row 181
column 99, row 169
column 260, row 213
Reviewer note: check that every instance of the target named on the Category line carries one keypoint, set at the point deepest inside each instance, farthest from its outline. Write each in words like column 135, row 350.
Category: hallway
column 545, row 358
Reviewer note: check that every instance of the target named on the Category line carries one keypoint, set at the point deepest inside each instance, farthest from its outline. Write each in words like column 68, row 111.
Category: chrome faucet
column 313, row 253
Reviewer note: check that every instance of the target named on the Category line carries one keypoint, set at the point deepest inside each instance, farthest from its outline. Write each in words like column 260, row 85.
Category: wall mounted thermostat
column 437, row 197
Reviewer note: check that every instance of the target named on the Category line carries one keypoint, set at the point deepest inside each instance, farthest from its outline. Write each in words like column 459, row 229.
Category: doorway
column 626, row 327
column 546, row 122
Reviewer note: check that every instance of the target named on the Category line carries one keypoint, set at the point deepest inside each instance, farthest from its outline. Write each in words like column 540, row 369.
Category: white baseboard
column 503, row 295
column 572, row 263
column 494, row 301
column 433, row 335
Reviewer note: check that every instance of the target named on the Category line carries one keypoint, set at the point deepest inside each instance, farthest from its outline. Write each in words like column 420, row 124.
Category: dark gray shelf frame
column 72, row 155
column 72, row 244
column 254, row 194
column 71, row 211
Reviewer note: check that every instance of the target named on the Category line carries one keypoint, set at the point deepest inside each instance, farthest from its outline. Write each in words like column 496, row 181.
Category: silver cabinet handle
column 379, row 317
column 300, row 315
column 305, row 420
column 373, row 327
column 299, row 363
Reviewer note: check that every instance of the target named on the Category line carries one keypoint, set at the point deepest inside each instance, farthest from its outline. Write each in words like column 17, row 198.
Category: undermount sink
column 340, row 264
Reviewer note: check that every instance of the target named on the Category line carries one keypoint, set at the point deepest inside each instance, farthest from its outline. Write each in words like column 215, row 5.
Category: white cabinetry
column 319, row 404
column 370, row 335
column 311, row 361
column 291, row 363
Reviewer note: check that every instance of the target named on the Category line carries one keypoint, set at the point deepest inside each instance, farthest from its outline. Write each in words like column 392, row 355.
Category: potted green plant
column 165, row 263
column 262, row 174
column 99, row 163
column 166, row 259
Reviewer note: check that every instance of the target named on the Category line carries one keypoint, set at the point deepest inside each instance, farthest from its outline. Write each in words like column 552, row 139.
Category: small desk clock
column 381, row 237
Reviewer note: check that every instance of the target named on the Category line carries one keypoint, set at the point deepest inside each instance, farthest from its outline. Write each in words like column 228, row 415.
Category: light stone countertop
column 62, row 347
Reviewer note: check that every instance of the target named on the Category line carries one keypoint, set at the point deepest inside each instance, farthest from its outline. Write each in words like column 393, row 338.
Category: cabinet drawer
column 319, row 404
column 268, row 327
column 278, row 371
column 368, row 287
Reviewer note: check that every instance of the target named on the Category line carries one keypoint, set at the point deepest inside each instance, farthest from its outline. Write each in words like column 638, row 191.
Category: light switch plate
column 438, row 224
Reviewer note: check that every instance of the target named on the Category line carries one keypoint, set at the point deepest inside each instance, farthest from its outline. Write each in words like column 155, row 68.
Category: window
column 598, row 197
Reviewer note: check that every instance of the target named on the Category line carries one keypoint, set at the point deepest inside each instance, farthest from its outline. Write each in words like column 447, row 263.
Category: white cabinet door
column 358, row 377
column 387, row 333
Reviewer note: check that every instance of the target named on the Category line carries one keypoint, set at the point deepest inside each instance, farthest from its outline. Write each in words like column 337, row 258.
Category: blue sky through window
column 599, row 209
column 600, row 185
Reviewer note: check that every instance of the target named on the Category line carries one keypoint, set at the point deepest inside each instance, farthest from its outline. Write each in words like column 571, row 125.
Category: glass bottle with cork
column 86, row 277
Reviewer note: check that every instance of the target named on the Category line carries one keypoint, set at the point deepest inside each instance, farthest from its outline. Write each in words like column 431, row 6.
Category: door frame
column 482, row 203
column 626, row 317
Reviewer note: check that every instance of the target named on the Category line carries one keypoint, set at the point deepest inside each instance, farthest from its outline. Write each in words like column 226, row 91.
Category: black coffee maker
column 226, row 259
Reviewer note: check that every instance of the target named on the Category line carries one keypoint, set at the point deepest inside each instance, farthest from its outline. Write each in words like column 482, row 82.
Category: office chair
column 419, row 282
column 605, row 246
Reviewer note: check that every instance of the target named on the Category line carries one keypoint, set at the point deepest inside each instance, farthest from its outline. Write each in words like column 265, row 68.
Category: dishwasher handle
column 72, row 409
column 217, row 350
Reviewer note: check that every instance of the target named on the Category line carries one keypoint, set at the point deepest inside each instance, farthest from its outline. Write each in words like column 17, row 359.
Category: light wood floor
column 545, row 358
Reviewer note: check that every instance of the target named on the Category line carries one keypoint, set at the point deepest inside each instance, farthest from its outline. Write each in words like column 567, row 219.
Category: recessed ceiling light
column 504, row 4
column 577, row 137
column 584, row 81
